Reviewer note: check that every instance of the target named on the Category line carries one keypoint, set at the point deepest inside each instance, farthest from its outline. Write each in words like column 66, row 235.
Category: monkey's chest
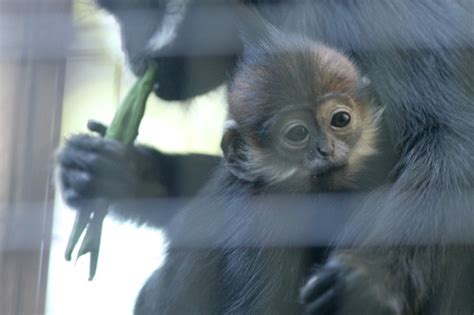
column 265, row 281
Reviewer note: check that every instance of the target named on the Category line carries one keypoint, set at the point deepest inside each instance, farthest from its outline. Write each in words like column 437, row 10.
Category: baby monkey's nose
column 325, row 149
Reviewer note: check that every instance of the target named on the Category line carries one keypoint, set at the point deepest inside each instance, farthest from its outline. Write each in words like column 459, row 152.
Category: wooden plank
column 33, row 39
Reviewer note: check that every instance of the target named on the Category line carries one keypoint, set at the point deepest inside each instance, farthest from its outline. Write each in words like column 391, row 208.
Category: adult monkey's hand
column 124, row 128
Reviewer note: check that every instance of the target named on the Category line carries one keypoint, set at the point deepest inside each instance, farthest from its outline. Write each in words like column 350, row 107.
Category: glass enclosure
column 293, row 157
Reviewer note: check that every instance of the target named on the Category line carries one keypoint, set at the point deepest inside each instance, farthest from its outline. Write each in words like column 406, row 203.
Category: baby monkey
column 300, row 118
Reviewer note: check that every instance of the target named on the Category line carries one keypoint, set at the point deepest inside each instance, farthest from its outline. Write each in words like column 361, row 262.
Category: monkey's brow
column 334, row 95
column 290, row 109
column 296, row 108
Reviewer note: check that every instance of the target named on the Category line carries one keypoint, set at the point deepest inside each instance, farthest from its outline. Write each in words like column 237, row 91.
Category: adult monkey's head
column 194, row 43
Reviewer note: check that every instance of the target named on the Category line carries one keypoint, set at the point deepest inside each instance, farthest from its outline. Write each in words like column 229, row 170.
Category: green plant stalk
column 125, row 124
column 124, row 128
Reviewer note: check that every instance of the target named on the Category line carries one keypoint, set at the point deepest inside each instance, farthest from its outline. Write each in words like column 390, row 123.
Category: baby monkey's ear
column 364, row 82
column 364, row 89
column 235, row 152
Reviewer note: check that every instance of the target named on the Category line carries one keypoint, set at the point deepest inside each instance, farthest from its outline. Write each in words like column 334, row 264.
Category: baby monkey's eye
column 340, row 119
column 296, row 133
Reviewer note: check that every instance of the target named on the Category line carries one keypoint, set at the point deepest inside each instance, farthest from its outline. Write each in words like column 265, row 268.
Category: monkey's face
column 315, row 140
column 308, row 146
column 305, row 146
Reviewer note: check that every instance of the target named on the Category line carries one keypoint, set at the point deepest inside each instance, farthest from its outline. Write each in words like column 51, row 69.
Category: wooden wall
column 33, row 39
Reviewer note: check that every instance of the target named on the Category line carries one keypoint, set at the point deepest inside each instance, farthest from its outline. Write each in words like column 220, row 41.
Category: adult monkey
column 419, row 58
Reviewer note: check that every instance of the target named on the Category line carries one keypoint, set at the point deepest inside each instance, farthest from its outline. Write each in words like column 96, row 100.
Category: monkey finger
column 95, row 163
column 318, row 284
column 97, row 127
column 85, row 144
column 74, row 179
column 325, row 304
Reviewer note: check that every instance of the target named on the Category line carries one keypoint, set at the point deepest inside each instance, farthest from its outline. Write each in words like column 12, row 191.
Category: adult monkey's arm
column 187, row 68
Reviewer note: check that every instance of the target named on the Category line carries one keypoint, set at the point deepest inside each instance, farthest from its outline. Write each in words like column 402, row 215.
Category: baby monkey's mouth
column 320, row 168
